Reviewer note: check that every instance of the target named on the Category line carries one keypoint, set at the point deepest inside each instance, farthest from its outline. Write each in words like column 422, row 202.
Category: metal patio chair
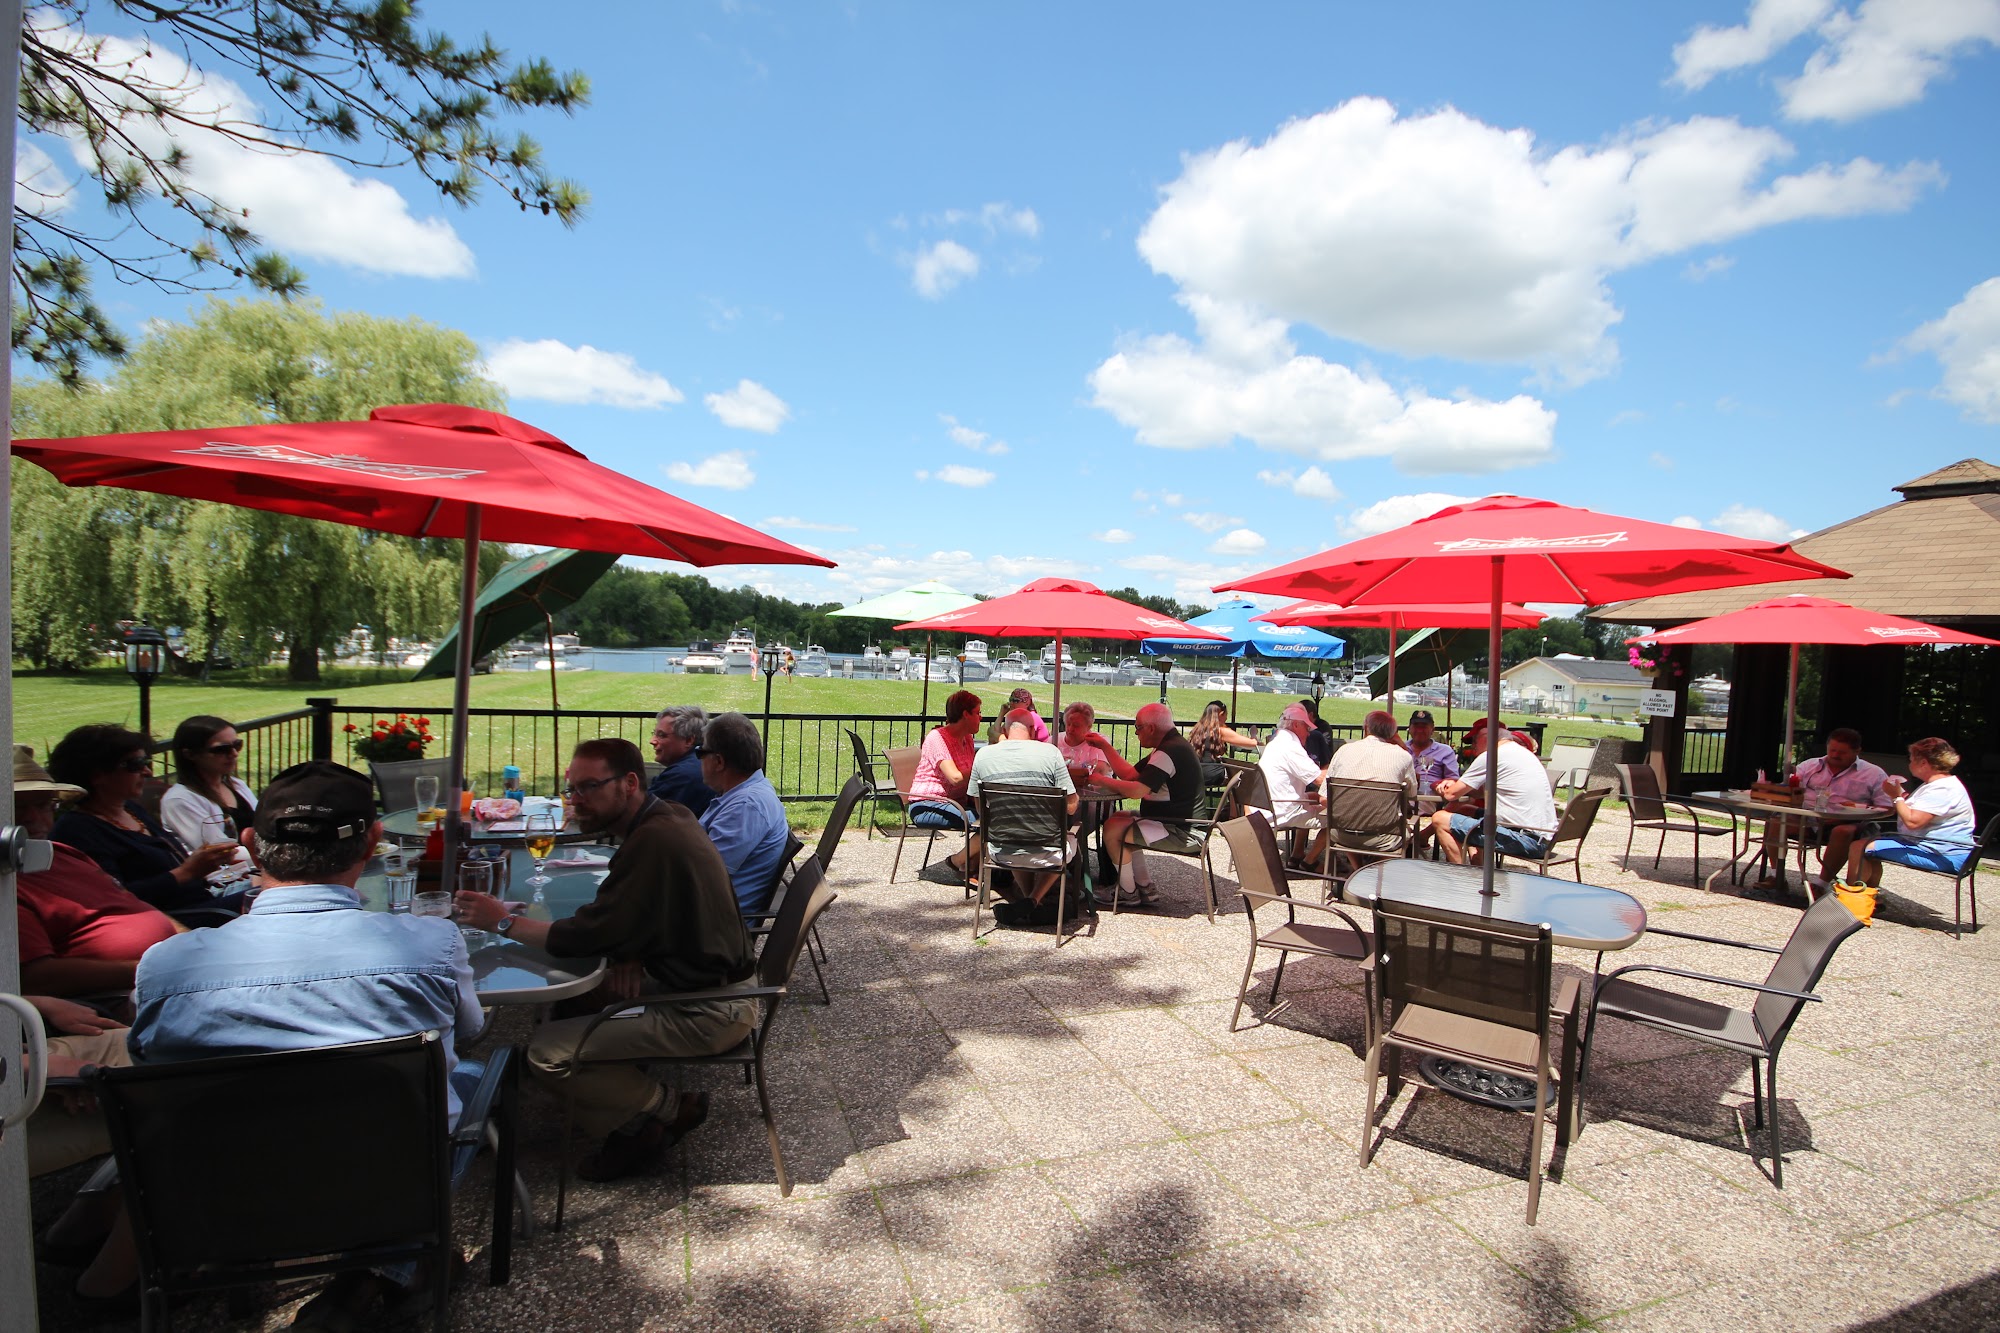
column 903, row 765
column 1026, row 828
column 1650, row 810
column 1965, row 884
column 1571, row 830
column 1260, row 875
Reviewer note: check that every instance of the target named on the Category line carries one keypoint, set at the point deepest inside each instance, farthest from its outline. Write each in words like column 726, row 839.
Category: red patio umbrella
column 423, row 470
column 1527, row 550
column 1440, row 615
column 1801, row 619
column 1059, row 607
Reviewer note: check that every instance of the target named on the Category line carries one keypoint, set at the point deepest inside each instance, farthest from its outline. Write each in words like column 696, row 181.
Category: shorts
column 1916, row 855
column 1161, row 837
column 1515, row 842
column 938, row 814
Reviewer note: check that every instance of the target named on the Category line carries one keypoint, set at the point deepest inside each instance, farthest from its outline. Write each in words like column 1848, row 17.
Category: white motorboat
column 739, row 652
column 900, row 655
column 1013, row 667
column 975, row 651
column 1049, row 662
column 703, row 660
column 1098, row 673
column 568, row 644
column 813, row 662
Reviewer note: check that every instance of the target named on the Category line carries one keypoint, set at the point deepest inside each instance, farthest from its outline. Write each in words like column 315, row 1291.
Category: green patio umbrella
column 919, row 601
column 523, row 596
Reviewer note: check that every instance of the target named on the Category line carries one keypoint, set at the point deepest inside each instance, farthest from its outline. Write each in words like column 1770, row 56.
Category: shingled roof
column 1933, row 555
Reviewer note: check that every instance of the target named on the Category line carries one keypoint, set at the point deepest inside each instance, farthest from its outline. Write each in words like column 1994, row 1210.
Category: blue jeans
column 1515, row 842
column 1918, row 855
column 937, row 814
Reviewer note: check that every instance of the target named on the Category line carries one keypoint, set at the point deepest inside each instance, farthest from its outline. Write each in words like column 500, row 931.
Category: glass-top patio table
column 507, row 971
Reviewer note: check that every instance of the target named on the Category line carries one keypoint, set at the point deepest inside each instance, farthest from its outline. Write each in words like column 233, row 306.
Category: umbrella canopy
column 928, row 598
column 1245, row 631
column 1801, row 619
column 521, row 597
column 1528, row 550
column 1059, row 607
column 422, row 470
column 1439, row 651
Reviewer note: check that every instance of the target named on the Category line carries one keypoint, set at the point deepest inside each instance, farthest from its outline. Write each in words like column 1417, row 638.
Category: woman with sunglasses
column 112, row 828
column 208, row 802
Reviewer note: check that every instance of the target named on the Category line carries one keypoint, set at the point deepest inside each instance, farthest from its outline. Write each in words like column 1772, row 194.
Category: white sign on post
column 1657, row 703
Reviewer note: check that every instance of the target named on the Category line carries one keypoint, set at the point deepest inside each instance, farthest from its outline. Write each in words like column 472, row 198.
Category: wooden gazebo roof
column 1933, row 555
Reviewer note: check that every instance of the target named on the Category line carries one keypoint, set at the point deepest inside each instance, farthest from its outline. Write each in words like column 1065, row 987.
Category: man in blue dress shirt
column 745, row 821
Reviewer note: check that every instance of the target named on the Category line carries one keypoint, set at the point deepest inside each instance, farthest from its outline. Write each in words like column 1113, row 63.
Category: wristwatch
column 505, row 925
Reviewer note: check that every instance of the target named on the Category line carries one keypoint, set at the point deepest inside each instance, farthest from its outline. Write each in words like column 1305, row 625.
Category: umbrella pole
column 1791, row 713
column 925, row 707
column 1058, row 703
column 1390, row 702
column 461, row 697
column 1235, row 665
column 1495, row 736
column 549, row 623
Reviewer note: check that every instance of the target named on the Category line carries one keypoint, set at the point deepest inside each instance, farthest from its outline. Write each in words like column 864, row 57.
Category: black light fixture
column 769, row 658
column 145, row 659
column 1319, row 687
column 1163, row 665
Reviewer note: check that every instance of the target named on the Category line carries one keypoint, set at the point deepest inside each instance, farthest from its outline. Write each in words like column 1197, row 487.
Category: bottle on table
column 510, row 781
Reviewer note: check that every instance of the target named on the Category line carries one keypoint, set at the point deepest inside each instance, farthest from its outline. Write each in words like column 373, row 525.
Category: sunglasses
column 136, row 764
column 234, row 747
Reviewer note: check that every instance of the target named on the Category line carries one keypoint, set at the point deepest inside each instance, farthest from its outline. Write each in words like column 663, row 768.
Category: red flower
column 379, row 736
column 423, row 722
column 350, row 727
column 417, row 746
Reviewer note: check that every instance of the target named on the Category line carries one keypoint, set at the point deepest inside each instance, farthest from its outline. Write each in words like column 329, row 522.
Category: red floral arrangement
column 391, row 742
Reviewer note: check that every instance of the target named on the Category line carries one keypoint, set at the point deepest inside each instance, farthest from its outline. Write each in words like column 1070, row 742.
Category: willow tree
column 239, row 582
column 142, row 104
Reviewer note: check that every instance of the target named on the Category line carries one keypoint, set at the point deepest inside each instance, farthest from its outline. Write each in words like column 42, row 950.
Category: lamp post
column 1163, row 665
column 145, row 655
column 1319, row 686
column 769, row 658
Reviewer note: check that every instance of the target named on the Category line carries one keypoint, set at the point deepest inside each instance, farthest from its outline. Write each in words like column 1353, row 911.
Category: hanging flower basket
column 393, row 741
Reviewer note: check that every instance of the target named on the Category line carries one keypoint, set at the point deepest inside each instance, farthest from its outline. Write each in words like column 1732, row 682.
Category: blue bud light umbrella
column 1247, row 635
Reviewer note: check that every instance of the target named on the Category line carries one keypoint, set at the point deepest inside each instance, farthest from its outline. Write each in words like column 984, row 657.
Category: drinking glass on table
column 475, row 877
column 431, row 904
column 426, row 788
column 542, row 827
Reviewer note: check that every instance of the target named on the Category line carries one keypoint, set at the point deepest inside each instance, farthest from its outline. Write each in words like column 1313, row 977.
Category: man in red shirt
column 81, row 931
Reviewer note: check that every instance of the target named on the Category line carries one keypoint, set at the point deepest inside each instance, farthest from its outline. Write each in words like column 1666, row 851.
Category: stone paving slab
column 1007, row 1135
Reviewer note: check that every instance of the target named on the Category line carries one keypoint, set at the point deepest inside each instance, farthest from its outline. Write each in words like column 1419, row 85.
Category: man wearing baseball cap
column 308, row 966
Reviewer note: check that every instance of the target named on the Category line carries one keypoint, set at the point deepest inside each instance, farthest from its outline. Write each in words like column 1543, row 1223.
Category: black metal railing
column 808, row 755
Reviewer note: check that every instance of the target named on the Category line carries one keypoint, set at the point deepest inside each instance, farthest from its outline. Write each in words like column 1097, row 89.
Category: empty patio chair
column 396, row 783
column 1965, row 884
column 1026, row 829
column 1260, row 874
column 1650, row 810
column 1758, row 1032
column 1569, row 765
column 1571, row 830
column 903, row 766
column 1478, row 990
column 864, row 768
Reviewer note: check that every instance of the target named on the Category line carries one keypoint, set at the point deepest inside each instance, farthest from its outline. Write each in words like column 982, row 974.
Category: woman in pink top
column 1023, row 697
column 937, row 793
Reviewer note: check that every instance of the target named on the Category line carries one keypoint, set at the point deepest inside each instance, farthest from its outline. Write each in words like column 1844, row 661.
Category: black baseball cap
column 1422, row 715
column 315, row 801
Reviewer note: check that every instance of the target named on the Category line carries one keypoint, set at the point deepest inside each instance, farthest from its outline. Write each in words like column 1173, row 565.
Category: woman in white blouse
column 208, row 802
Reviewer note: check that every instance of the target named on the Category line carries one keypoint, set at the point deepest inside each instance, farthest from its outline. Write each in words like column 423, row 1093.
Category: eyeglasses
column 586, row 787
column 138, row 763
column 699, row 750
column 234, row 747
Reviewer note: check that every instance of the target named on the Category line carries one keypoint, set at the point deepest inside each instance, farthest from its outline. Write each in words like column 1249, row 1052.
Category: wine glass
column 426, row 787
column 541, row 827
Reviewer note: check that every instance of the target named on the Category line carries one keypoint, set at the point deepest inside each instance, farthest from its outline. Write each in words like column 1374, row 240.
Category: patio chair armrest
column 1713, row 939
column 474, row 1112
column 1569, row 990
column 1705, row 976
column 1286, row 900
column 1694, row 813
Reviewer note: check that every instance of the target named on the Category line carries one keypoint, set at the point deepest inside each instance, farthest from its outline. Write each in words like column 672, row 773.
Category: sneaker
column 1141, row 896
column 626, row 1154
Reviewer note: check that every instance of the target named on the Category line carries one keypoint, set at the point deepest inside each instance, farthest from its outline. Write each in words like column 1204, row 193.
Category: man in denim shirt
column 745, row 821
column 308, row 967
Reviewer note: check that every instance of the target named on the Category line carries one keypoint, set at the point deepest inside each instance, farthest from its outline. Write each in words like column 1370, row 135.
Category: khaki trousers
column 609, row 1094
column 58, row 1138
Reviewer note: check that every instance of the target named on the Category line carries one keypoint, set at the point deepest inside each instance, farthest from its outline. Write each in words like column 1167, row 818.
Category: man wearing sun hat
column 308, row 966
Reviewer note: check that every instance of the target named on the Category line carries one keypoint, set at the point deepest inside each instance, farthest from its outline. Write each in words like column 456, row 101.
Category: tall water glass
column 426, row 792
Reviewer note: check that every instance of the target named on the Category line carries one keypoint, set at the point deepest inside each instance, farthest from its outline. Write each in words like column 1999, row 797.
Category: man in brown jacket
column 666, row 918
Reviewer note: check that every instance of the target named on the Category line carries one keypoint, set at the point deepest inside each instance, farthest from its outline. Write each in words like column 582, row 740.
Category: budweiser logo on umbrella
column 1582, row 542
column 279, row 453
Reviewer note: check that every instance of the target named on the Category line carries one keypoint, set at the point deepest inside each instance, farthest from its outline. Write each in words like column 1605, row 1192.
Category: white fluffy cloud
column 553, row 372
column 1765, row 30
column 995, row 218
column 957, row 474
column 1202, row 522
column 1239, row 541
column 937, row 268
column 749, row 406
column 976, row 440
column 1439, row 235
column 40, row 187
column 870, row 572
column 729, row 471
column 299, row 203
column 1741, row 520
column 1872, row 57
column 806, row 525
column 1311, row 484
column 1396, row 511
column 1112, row 536
column 1188, row 580
column 1966, row 342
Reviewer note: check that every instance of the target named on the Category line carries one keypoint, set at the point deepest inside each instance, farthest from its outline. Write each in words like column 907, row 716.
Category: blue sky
column 1165, row 294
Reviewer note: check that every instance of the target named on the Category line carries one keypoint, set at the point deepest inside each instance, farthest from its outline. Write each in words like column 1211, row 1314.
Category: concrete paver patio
column 1005, row 1135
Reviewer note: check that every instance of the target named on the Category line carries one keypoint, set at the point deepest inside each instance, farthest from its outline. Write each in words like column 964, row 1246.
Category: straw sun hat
column 31, row 776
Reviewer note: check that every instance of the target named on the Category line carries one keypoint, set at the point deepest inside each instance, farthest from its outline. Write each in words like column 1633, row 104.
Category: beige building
column 1578, row 685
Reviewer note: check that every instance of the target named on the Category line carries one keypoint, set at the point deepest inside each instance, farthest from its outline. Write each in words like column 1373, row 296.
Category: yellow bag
column 1856, row 898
